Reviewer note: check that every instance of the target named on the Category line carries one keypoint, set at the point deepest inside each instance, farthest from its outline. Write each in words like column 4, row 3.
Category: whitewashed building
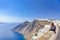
column 34, row 38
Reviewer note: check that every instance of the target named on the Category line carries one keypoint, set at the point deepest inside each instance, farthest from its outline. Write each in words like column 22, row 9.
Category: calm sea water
column 7, row 34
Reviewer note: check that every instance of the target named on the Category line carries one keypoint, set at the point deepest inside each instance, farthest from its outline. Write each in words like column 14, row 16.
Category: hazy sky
column 21, row 10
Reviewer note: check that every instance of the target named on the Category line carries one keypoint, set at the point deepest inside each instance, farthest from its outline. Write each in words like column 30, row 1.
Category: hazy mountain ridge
column 2, row 22
column 30, row 28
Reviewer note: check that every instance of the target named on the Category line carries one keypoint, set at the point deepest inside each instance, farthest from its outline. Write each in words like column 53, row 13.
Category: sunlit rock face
column 30, row 28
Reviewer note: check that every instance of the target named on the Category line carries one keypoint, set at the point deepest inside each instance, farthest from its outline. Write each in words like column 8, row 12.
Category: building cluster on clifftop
column 36, row 28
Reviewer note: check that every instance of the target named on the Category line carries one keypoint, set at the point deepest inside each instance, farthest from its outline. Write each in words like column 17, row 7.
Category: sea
column 7, row 34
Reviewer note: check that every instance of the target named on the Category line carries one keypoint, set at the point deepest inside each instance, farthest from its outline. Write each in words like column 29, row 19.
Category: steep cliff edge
column 30, row 28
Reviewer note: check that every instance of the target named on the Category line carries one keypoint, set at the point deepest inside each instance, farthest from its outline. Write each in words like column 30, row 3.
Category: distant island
column 2, row 22
column 28, row 29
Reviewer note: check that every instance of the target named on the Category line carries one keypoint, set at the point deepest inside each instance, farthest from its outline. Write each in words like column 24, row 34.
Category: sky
column 22, row 10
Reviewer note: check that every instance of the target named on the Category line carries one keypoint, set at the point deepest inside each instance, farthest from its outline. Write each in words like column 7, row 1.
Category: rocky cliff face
column 30, row 28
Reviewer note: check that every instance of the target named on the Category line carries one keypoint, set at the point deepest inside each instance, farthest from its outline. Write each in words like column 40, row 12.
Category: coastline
column 20, row 34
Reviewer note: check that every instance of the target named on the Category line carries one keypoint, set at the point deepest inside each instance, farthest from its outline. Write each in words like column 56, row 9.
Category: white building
column 34, row 38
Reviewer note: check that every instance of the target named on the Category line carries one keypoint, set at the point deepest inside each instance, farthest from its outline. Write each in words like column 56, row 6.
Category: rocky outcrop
column 30, row 28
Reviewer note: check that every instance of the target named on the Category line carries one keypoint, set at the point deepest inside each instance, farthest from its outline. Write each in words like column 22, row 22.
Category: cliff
column 30, row 28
